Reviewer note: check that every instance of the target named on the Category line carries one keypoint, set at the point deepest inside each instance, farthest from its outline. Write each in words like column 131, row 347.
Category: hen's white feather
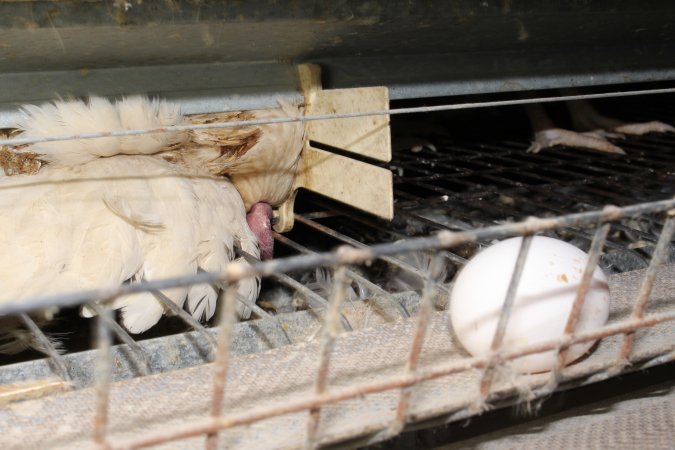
column 88, row 220
column 264, row 173
column 98, row 114
column 278, row 152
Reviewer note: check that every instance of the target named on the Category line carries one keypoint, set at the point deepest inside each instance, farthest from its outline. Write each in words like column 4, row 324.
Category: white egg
column 546, row 292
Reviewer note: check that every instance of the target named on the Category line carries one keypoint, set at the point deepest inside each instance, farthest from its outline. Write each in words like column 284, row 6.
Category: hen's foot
column 638, row 129
column 411, row 143
column 557, row 136
column 586, row 117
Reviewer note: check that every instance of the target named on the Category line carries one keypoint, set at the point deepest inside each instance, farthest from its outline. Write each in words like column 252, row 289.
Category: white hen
column 102, row 212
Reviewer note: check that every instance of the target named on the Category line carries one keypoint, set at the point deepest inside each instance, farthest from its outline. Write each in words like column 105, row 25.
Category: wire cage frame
column 413, row 373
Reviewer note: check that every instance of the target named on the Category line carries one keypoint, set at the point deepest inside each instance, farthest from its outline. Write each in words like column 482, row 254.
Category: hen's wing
column 102, row 223
column 261, row 160
column 66, row 118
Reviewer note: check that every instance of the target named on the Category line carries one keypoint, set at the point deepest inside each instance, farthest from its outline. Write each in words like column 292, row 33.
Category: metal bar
column 375, row 289
column 58, row 363
column 264, row 315
column 137, row 355
column 525, row 199
column 426, row 308
column 576, row 232
column 593, row 258
column 348, row 240
column 185, row 316
column 500, row 332
column 534, row 169
column 330, row 332
column 372, row 287
column 335, row 210
column 303, row 119
column 659, row 256
column 221, row 365
column 372, row 224
column 254, row 307
column 103, row 373
column 236, row 270
column 314, row 300
column 209, row 425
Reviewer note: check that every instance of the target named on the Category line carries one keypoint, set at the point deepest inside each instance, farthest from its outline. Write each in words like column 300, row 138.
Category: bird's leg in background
column 259, row 219
column 586, row 118
column 546, row 135
column 414, row 144
column 415, row 134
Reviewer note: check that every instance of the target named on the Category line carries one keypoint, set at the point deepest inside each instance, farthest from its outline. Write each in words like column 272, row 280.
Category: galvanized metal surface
column 198, row 52
column 184, row 32
column 281, row 380
column 190, row 349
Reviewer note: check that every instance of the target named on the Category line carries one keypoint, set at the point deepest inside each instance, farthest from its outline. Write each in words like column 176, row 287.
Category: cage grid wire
column 437, row 194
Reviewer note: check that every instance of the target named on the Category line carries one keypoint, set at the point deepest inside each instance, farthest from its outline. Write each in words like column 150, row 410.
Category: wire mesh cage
column 353, row 345
column 351, row 340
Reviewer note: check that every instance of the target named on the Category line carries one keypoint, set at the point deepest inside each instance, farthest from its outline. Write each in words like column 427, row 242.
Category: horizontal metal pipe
column 384, row 112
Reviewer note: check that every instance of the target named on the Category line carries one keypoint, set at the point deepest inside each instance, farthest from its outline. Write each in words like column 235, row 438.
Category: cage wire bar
column 330, row 332
column 646, row 288
column 372, row 287
column 505, row 315
column 594, row 256
column 412, row 374
column 59, row 365
column 355, row 252
column 426, row 307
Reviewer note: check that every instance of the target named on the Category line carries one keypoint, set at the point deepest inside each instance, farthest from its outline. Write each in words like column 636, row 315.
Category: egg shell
column 546, row 292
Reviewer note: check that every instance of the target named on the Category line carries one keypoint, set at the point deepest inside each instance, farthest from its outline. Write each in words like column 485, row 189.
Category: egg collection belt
column 297, row 379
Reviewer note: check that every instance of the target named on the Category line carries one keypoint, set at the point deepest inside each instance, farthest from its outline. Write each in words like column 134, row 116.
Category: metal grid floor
column 466, row 183
column 462, row 185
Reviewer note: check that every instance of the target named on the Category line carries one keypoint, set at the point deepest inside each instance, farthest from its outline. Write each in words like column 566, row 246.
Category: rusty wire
column 227, row 320
column 235, row 271
column 423, row 315
column 330, row 332
column 313, row 300
column 211, row 425
column 504, row 316
column 372, row 287
column 103, row 374
column 391, row 259
column 585, row 283
column 660, row 253
column 60, row 366
column 187, row 318
column 136, row 353
column 413, row 374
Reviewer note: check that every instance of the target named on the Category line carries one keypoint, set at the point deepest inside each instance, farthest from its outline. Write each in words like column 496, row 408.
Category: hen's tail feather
column 13, row 341
column 202, row 300
column 73, row 117
column 139, row 311
column 249, row 288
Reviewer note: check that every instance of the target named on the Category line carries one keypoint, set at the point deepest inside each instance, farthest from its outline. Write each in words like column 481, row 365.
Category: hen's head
column 261, row 161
